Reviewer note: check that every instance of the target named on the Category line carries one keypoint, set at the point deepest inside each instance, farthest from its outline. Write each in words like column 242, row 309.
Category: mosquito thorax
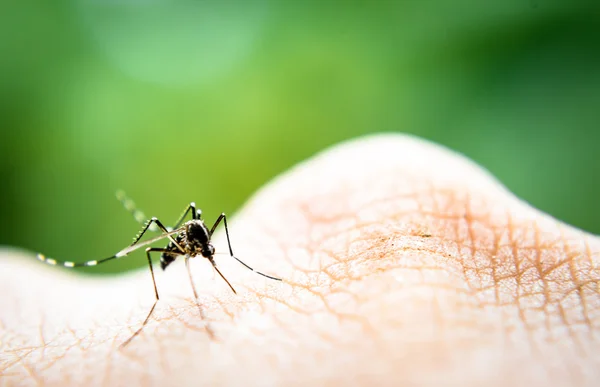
column 197, row 233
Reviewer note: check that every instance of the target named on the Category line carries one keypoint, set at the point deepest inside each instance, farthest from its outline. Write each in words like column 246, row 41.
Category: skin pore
column 403, row 263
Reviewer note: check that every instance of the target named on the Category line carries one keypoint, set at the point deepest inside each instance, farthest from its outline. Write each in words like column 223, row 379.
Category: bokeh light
column 174, row 101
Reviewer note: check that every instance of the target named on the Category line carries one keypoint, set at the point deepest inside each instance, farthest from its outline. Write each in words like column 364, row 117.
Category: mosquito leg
column 217, row 223
column 161, row 227
column 200, row 310
column 222, row 276
column 148, row 251
column 70, row 264
column 223, row 218
column 195, row 214
column 129, row 205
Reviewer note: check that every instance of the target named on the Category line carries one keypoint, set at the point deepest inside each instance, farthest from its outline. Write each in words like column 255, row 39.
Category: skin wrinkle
column 577, row 282
column 518, row 276
column 471, row 236
column 545, row 287
column 416, row 278
column 18, row 360
column 346, row 277
column 518, row 271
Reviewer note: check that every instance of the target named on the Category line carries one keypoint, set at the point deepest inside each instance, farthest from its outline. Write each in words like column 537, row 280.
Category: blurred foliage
column 175, row 101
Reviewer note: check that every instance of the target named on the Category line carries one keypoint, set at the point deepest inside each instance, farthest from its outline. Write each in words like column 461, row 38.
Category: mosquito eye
column 209, row 251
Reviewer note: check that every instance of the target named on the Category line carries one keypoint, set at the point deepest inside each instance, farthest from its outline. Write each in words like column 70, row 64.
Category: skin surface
column 403, row 264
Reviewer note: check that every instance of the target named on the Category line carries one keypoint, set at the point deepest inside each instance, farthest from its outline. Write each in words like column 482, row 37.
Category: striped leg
column 129, row 205
column 124, row 252
column 196, row 214
column 141, row 218
column 223, row 218
column 54, row 262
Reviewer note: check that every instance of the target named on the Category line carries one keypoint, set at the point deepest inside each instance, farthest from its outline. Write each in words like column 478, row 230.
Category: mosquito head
column 208, row 251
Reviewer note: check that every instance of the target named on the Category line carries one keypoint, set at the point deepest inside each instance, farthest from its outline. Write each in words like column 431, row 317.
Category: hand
column 403, row 264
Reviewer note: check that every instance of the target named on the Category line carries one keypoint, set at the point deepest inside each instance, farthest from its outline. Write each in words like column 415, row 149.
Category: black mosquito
column 187, row 239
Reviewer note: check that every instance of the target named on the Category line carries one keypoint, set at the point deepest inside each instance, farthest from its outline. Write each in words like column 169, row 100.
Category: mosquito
column 188, row 239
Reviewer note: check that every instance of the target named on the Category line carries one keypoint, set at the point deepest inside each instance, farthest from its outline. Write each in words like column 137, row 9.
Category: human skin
column 403, row 263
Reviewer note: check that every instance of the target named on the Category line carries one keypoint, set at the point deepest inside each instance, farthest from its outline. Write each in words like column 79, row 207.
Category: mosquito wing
column 147, row 242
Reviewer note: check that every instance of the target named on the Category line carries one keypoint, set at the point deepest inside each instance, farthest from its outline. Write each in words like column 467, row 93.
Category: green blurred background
column 175, row 101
